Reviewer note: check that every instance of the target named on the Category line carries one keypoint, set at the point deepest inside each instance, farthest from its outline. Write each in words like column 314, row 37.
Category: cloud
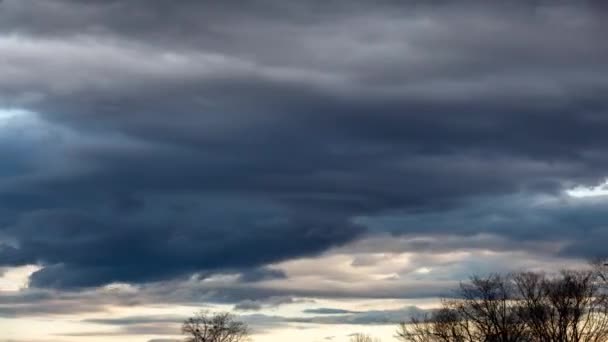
column 368, row 317
column 327, row 311
column 204, row 138
column 261, row 274
column 136, row 320
column 376, row 317
column 556, row 225
column 248, row 305
column 264, row 302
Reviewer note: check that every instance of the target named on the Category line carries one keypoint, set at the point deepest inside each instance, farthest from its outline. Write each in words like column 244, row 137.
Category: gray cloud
column 367, row 317
column 248, row 305
column 264, row 302
column 328, row 311
column 131, row 324
column 202, row 137
column 135, row 320
column 261, row 274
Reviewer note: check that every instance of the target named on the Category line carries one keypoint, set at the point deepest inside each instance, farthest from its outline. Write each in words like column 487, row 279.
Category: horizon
column 318, row 168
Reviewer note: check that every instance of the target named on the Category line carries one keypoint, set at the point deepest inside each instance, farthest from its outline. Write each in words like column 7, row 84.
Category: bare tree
column 444, row 325
column 220, row 327
column 530, row 307
column 488, row 307
column 570, row 307
column 483, row 311
column 360, row 337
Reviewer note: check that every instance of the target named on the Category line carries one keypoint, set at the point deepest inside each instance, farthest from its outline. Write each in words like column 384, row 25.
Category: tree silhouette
column 360, row 337
column 219, row 327
column 531, row 307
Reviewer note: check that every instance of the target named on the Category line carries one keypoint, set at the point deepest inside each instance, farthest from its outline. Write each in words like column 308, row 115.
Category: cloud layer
column 147, row 141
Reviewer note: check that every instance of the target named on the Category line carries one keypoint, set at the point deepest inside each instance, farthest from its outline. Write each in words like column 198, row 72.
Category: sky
column 319, row 168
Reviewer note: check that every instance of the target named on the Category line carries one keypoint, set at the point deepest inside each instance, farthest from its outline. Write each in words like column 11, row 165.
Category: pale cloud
column 594, row 191
column 16, row 278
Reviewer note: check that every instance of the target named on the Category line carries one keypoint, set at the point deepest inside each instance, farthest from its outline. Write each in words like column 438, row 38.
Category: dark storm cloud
column 204, row 136
column 139, row 250
column 520, row 219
